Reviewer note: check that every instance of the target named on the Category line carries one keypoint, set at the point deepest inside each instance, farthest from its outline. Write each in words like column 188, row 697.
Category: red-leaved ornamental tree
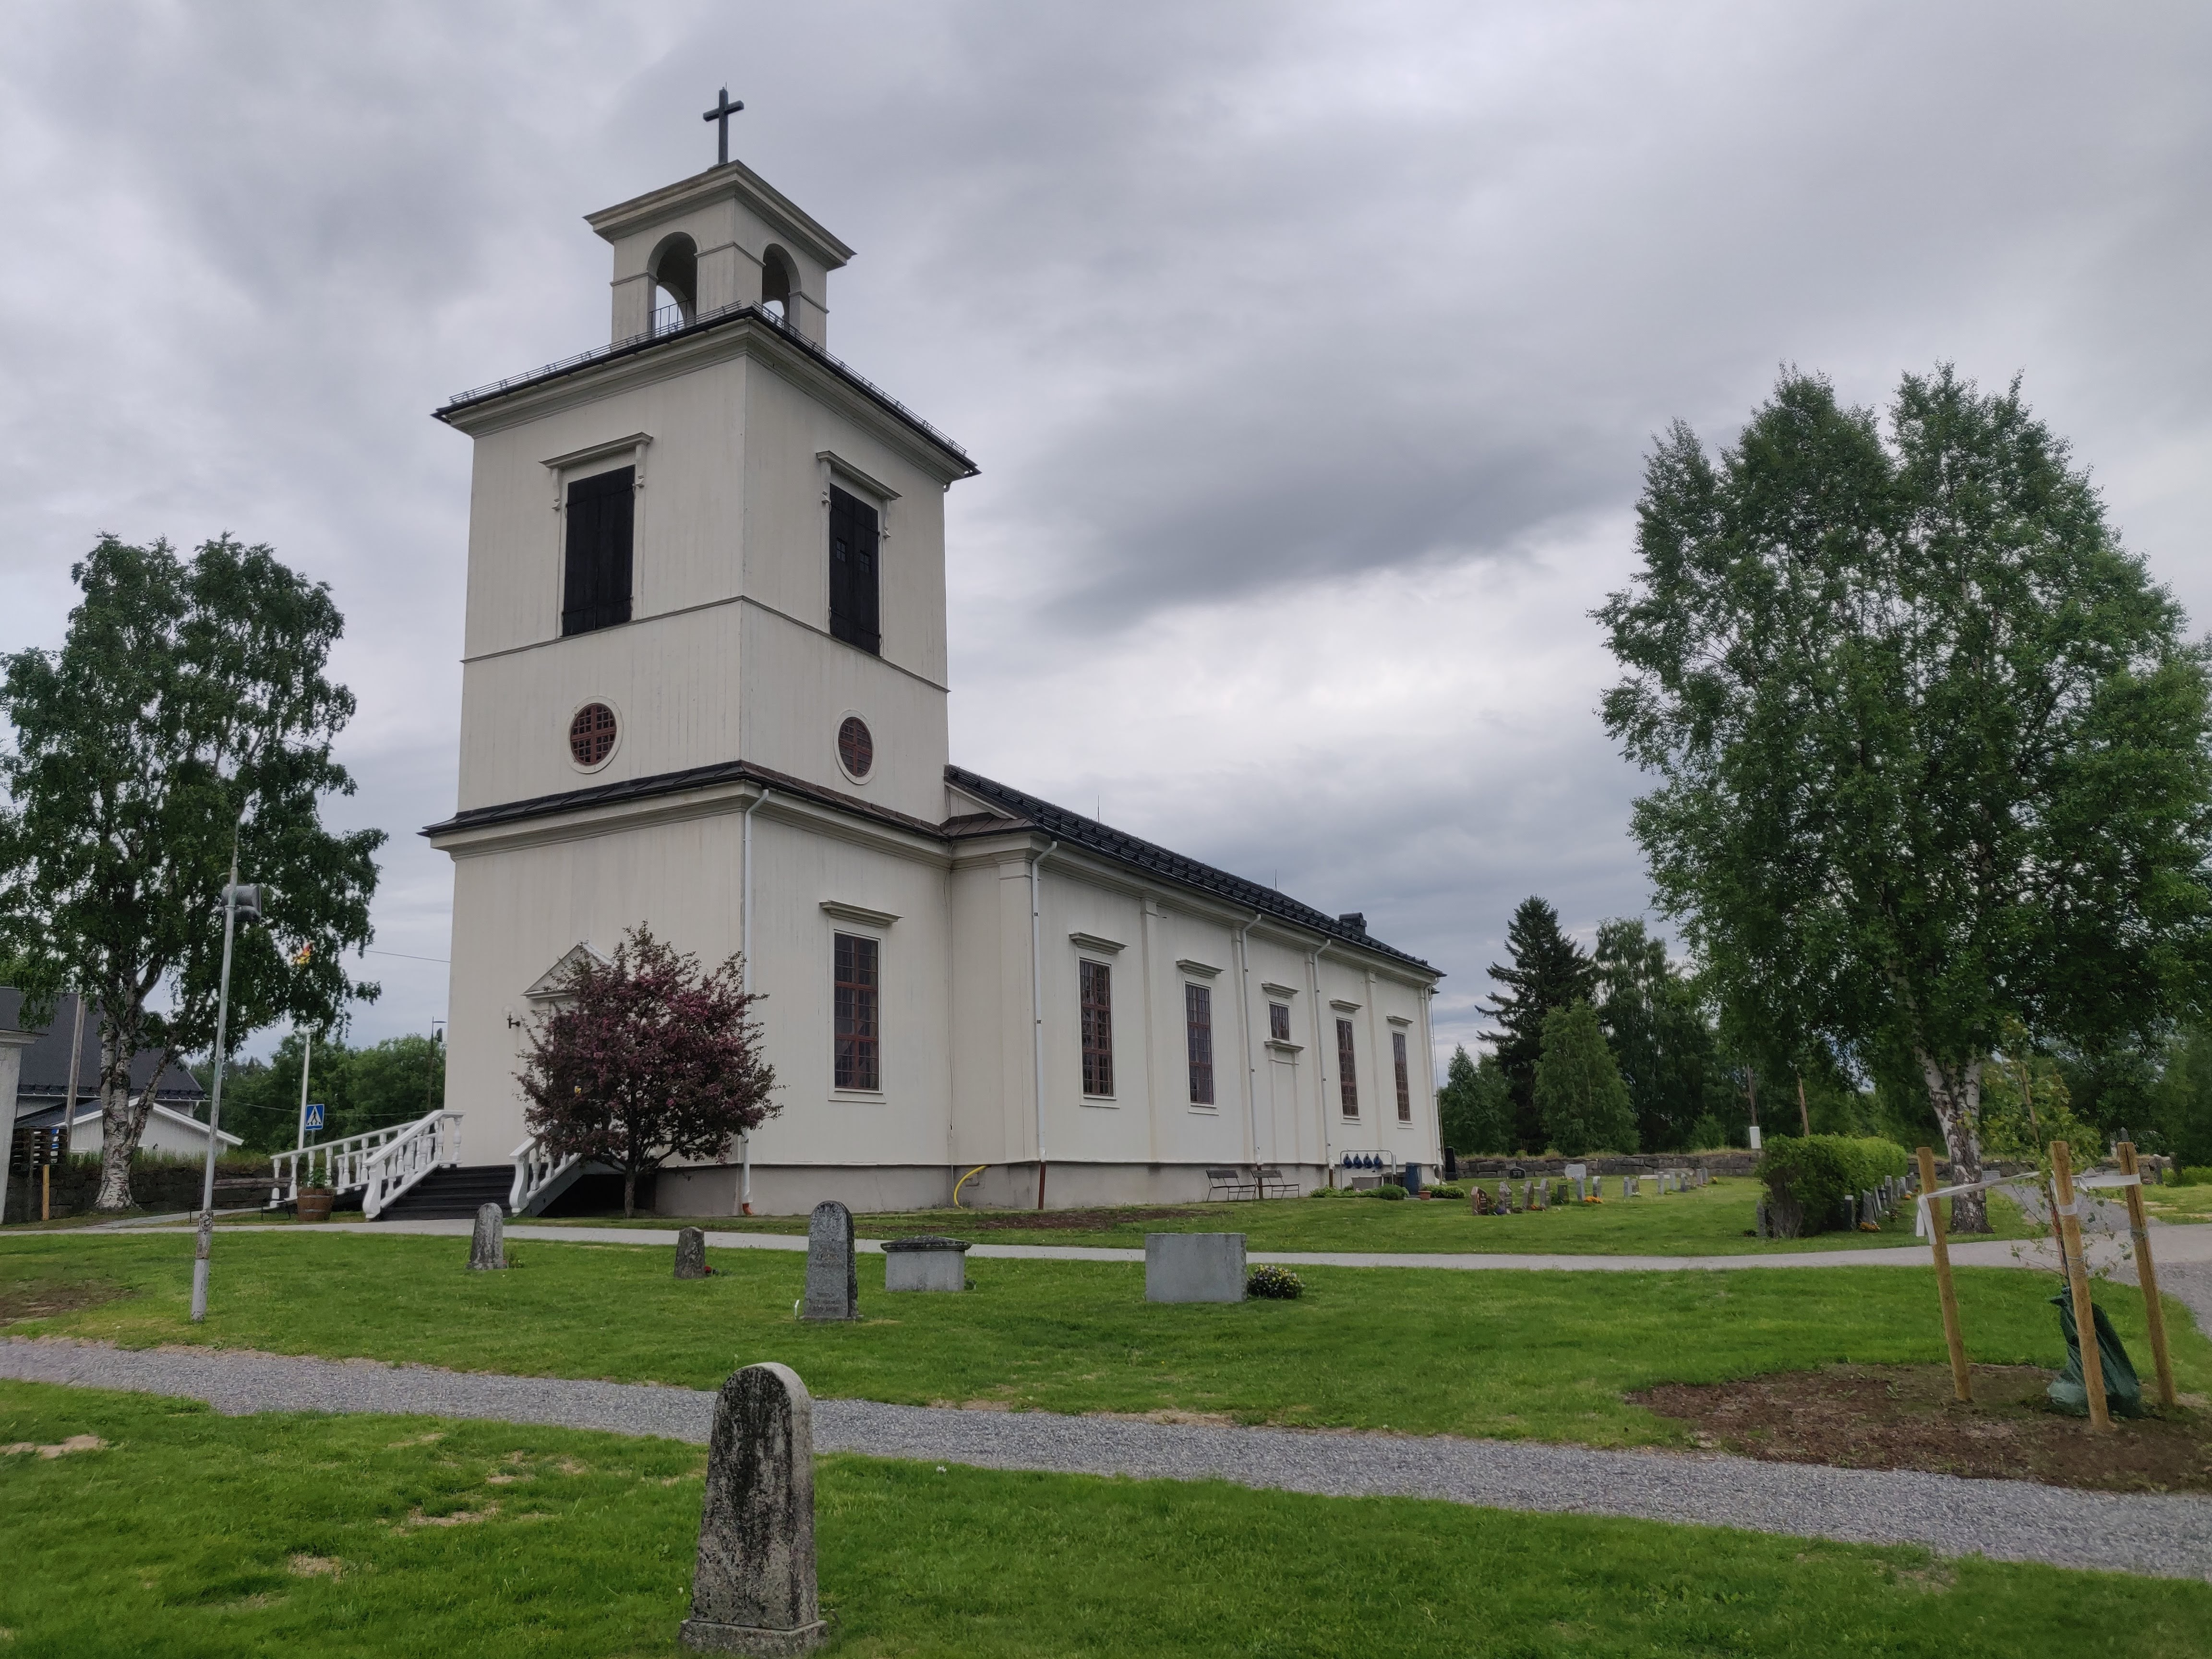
column 647, row 1058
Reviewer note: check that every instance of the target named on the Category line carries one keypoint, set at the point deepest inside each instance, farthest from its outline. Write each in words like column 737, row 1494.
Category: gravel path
column 2165, row 1536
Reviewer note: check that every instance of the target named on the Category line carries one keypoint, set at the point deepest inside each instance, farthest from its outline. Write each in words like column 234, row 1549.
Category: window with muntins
column 854, row 538
column 1097, row 1029
column 1279, row 1021
column 858, row 1034
column 596, row 562
column 1198, row 1030
column 1405, row 1084
column 1347, row 1069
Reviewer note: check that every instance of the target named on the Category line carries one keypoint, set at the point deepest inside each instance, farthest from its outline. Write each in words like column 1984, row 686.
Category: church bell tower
column 703, row 687
column 709, row 542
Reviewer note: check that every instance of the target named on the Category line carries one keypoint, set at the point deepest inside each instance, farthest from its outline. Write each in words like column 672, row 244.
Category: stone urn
column 315, row 1203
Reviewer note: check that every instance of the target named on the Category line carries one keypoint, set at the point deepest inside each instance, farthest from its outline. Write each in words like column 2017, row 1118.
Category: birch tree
column 1931, row 748
column 187, row 703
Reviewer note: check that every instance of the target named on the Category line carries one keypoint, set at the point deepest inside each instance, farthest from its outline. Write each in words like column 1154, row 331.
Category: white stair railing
column 535, row 1169
column 340, row 1166
column 427, row 1143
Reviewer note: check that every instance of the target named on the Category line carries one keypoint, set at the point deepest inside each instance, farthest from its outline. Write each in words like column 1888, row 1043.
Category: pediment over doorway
column 553, row 983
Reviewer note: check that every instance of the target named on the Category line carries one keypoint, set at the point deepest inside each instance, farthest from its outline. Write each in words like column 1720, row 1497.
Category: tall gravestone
column 833, row 1276
column 691, row 1254
column 488, row 1248
column 753, row 1590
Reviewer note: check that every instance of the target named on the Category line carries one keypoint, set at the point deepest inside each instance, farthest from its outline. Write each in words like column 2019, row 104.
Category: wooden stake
column 2077, row 1274
column 2146, row 1275
column 1962, row 1384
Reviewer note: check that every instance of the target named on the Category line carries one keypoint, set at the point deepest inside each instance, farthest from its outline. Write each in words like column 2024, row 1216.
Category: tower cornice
column 740, row 331
column 734, row 179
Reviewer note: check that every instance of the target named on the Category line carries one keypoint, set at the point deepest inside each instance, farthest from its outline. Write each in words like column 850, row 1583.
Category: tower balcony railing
column 661, row 326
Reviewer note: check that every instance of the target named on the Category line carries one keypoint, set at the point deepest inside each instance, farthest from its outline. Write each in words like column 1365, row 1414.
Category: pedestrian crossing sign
column 314, row 1115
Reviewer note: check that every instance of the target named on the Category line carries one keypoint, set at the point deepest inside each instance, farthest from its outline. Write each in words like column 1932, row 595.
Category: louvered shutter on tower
column 595, row 570
column 854, row 538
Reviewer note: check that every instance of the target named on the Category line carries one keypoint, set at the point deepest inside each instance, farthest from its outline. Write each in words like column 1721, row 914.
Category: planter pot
column 316, row 1206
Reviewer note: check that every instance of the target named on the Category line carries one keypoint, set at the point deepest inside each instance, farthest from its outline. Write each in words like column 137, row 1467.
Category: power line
column 442, row 962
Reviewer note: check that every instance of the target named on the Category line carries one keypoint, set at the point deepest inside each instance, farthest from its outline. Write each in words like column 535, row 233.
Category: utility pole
column 306, row 1056
column 235, row 901
column 430, row 1085
column 76, row 1060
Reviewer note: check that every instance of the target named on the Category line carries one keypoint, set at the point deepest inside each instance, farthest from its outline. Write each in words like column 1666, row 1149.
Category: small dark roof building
column 45, row 1074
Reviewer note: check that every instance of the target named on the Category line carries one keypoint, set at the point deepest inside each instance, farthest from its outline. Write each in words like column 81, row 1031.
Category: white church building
column 705, row 689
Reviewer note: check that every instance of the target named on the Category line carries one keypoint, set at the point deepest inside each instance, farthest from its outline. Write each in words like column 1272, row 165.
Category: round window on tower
column 856, row 748
column 591, row 735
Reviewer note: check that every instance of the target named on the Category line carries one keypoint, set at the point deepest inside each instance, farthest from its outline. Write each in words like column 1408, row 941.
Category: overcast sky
column 1310, row 352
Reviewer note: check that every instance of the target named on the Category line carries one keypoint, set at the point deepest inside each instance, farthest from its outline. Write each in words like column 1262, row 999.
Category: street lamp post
column 236, row 902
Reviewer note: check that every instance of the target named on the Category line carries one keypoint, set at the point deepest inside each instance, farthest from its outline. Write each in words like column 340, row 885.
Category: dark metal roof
column 671, row 783
column 705, row 323
column 1015, row 812
column 1107, row 843
column 46, row 1062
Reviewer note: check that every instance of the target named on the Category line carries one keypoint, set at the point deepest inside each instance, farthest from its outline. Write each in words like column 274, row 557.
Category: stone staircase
column 456, row 1191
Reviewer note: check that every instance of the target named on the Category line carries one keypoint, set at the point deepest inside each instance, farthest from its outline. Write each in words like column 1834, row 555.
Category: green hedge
column 1807, row 1177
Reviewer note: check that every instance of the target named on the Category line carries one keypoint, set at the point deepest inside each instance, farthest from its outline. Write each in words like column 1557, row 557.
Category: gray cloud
column 1303, row 346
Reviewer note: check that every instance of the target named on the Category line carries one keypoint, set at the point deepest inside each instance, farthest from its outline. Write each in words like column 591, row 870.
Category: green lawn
column 2180, row 1203
column 1535, row 1355
column 191, row 1534
column 1714, row 1220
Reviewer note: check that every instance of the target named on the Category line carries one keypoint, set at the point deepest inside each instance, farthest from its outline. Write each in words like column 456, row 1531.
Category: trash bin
column 1412, row 1180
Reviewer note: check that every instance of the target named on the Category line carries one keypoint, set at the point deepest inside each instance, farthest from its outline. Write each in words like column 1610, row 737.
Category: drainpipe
column 1037, row 1006
column 745, row 975
column 1244, row 1024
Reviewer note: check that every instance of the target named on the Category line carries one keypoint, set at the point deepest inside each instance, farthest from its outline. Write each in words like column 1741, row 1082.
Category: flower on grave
column 1274, row 1283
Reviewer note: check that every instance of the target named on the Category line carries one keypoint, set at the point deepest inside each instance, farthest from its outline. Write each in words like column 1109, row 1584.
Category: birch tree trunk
column 1955, row 1092
column 122, row 1119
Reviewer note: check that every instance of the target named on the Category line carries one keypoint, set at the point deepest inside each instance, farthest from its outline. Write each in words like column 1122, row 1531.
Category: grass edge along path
column 192, row 1534
column 1713, row 1220
column 1507, row 1356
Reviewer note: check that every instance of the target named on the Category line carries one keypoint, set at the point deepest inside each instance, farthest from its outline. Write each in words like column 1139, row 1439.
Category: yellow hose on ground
column 963, row 1180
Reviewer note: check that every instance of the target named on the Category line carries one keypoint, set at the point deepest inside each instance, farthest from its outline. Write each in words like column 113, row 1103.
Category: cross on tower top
column 723, row 110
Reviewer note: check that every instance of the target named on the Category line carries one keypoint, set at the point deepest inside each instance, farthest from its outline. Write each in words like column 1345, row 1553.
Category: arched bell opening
column 674, row 269
column 779, row 282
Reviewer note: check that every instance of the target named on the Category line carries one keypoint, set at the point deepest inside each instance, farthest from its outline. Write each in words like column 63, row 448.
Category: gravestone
column 488, row 1249
column 1193, row 1267
column 1764, row 1227
column 1505, row 1198
column 753, row 1589
column 691, row 1254
column 926, row 1264
column 833, row 1276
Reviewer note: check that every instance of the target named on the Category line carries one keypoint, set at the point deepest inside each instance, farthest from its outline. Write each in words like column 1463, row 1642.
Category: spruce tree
column 1549, row 971
column 1474, row 1109
column 1578, row 1088
column 1657, row 1030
